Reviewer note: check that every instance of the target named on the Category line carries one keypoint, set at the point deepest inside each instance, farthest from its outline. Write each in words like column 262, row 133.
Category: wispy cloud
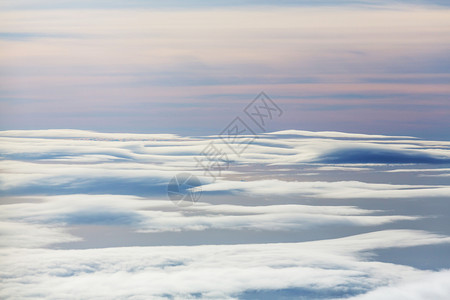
column 51, row 216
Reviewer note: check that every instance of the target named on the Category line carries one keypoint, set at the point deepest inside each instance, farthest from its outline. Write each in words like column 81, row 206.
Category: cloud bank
column 326, row 267
column 54, row 182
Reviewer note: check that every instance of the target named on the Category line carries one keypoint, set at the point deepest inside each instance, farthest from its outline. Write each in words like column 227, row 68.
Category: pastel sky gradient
column 135, row 66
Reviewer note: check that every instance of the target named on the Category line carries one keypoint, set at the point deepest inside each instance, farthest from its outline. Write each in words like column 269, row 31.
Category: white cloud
column 149, row 215
column 64, row 162
column 336, row 134
column 212, row 271
column 335, row 190
column 435, row 175
column 69, row 158
column 19, row 234
column 434, row 286
column 420, row 170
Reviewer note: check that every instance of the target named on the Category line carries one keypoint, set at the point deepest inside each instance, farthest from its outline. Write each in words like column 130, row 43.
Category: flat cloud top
column 53, row 181
column 212, row 271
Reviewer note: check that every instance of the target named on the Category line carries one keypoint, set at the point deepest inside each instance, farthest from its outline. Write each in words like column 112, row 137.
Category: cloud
column 55, row 181
column 386, row 156
column 334, row 134
column 150, row 215
column 89, row 162
column 420, row 170
column 423, row 287
column 435, row 175
column 32, row 235
column 333, row 190
column 209, row 271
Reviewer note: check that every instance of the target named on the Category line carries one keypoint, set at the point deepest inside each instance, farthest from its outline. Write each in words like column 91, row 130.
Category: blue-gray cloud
column 378, row 155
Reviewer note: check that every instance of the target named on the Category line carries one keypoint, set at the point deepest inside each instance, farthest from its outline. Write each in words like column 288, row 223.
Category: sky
column 224, row 150
column 188, row 67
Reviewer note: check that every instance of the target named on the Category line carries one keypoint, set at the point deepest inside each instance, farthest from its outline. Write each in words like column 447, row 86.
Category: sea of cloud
column 54, row 180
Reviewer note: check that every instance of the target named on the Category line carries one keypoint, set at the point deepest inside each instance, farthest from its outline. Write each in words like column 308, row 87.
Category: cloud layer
column 41, row 222
column 57, row 183
column 328, row 267
column 88, row 162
